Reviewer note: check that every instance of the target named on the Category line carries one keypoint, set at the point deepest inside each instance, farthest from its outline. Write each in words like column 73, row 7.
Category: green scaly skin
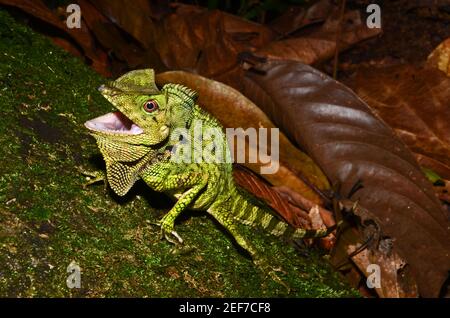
column 147, row 153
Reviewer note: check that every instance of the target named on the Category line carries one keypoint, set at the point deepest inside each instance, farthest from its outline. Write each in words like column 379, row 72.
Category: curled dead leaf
column 134, row 17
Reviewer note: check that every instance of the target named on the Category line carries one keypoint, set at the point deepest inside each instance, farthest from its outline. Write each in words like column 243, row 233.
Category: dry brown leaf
column 416, row 103
column 207, row 41
column 317, row 222
column 134, row 17
column 321, row 44
column 295, row 18
column 121, row 49
column 303, row 203
column 190, row 37
column 395, row 277
column 285, row 206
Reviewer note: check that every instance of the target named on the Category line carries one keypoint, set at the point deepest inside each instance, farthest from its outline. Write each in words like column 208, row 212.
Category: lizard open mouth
column 115, row 122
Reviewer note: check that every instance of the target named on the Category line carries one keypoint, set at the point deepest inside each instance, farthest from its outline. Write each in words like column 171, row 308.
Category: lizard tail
column 249, row 211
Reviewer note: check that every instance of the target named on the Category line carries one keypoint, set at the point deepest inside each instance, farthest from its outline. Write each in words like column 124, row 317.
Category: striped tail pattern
column 248, row 211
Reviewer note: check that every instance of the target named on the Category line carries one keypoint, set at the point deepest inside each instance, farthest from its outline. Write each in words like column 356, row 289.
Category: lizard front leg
column 94, row 177
column 194, row 181
column 168, row 221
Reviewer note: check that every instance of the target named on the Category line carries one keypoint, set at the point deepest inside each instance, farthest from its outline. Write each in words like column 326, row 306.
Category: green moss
column 47, row 220
column 38, row 213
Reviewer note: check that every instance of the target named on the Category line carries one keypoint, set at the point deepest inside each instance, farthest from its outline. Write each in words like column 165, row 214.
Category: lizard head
column 145, row 114
column 141, row 118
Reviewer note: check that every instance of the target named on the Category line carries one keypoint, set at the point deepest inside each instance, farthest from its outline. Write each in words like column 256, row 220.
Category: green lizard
column 142, row 140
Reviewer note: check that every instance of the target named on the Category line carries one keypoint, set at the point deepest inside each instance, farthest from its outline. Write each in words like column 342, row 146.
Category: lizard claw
column 167, row 232
column 167, row 236
column 93, row 177
column 177, row 236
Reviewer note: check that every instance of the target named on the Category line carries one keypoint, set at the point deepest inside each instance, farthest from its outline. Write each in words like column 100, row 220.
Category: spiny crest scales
column 186, row 95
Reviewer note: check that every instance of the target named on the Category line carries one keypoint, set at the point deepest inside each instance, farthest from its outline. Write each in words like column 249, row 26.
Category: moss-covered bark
column 47, row 220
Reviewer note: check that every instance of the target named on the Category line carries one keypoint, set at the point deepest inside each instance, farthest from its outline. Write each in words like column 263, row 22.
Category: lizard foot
column 167, row 231
column 271, row 272
column 93, row 177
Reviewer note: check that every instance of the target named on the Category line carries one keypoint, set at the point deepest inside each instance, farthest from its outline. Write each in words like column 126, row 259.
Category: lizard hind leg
column 219, row 212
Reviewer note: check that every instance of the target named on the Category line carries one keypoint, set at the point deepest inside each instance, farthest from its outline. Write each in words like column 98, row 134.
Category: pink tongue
column 121, row 122
column 116, row 122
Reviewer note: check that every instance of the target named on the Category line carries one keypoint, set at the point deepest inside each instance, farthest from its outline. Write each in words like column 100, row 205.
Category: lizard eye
column 150, row 106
